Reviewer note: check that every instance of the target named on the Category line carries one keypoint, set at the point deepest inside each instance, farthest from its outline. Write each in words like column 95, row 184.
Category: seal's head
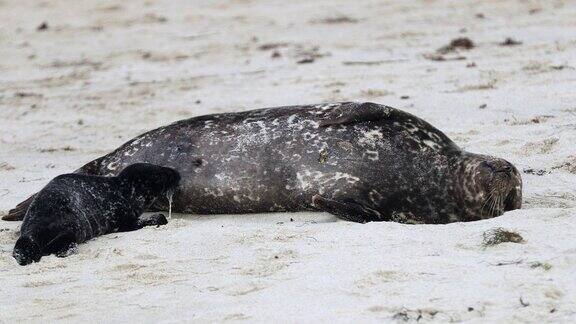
column 147, row 182
column 489, row 186
column 26, row 251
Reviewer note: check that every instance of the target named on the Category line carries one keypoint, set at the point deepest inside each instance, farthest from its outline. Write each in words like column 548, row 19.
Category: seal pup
column 73, row 208
column 359, row 161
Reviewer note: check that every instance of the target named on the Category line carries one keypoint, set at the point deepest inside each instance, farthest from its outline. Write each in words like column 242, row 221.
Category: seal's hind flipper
column 352, row 113
column 18, row 212
column 346, row 210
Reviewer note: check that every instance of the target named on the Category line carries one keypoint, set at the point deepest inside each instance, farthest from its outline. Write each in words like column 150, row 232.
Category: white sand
column 105, row 71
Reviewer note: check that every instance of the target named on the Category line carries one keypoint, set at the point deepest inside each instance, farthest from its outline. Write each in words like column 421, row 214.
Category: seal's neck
column 467, row 186
column 138, row 194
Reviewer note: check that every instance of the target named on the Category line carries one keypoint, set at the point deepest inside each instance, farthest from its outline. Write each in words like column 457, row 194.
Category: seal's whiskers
column 488, row 200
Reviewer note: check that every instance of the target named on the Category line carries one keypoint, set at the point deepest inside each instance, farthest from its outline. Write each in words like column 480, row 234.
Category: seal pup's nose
column 26, row 251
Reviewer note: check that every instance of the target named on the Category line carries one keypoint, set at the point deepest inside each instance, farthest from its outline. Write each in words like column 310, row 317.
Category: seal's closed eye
column 499, row 166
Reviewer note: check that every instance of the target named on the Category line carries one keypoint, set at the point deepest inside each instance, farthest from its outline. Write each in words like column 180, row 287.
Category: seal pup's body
column 73, row 208
column 359, row 161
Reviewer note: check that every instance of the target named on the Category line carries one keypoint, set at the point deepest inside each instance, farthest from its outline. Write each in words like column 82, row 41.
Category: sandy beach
column 79, row 78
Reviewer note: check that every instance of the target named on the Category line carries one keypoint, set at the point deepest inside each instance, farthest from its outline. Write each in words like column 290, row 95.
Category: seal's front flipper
column 152, row 220
column 346, row 210
column 352, row 113
column 62, row 246
column 137, row 223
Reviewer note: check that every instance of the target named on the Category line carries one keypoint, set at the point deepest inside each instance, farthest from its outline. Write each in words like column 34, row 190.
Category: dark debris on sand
column 308, row 55
column 455, row 46
column 408, row 315
column 541, row 265
column 510, row 42
column 499, row 235
column 536, row 172
column 42, row 27
column 441, row 58
column 270, row 46
column 306, row 60
column 338, row 20
column 460, row 43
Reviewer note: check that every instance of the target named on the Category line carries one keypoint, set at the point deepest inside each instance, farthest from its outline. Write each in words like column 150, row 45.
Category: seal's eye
column 487, row 169
column 505, row 171
column 500, row 168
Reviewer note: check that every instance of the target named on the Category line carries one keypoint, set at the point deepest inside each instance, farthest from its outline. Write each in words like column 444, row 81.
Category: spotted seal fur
column 359, row 161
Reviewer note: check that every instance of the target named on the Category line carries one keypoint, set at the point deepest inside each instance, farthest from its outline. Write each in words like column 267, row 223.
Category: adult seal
column 359, row 161
column 73, row 208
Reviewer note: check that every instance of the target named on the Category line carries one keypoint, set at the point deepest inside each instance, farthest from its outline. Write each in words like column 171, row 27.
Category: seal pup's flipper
column 352, row 113
column 346, row 210
column 152, row 220
column 18, row 212
column 136, row 223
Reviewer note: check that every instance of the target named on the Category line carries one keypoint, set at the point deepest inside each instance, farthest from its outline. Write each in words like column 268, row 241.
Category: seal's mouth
column 494, row 205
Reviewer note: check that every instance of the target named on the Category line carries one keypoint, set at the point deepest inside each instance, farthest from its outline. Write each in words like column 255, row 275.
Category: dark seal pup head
column 147, row 182
column 489, row 186
column 73, row 208
column 26, row 251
